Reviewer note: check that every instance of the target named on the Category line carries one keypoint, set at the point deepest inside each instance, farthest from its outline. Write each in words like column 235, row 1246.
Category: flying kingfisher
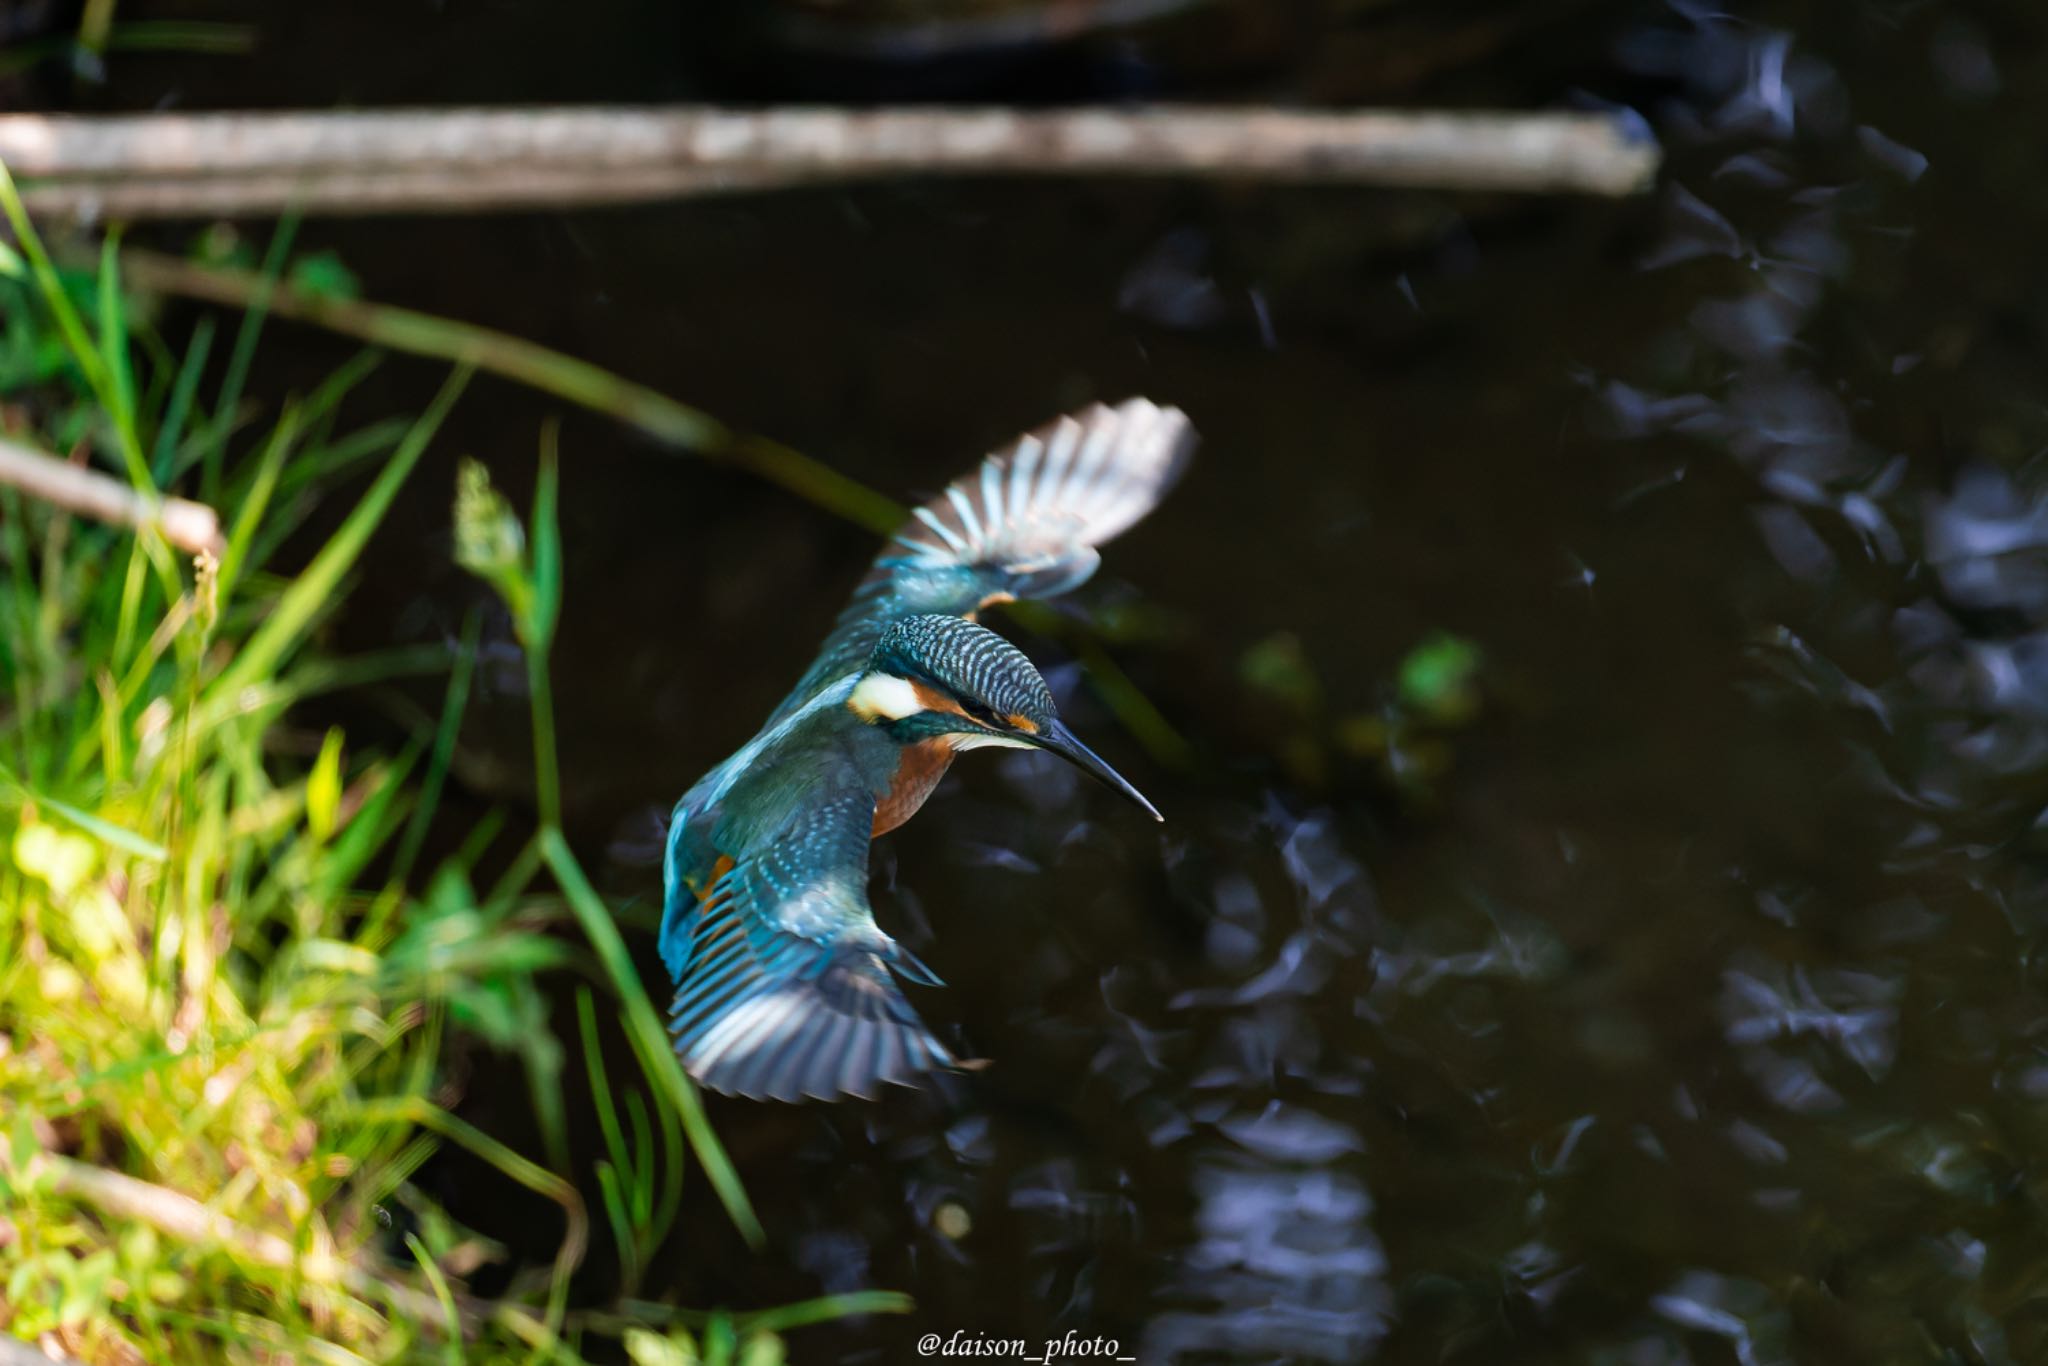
column 786, row 987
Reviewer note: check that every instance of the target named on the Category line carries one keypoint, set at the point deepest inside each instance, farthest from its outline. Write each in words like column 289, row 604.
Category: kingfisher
column 786, row 988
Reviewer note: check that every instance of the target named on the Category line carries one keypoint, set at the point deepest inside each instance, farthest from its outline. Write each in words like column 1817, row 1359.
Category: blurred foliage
column 32, row 350
column 718, row 1346
column 38, row 36
column 1439, row 680
column 1435, row 694
column 322, row 275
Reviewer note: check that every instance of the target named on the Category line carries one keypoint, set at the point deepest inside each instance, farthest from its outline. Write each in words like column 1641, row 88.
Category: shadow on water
column 1659, row 983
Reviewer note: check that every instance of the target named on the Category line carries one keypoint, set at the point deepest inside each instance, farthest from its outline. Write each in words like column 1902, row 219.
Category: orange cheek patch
column 1019, row 721
column 934, row 700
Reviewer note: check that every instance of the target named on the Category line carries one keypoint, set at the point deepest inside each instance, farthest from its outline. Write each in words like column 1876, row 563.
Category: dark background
column 1682, row 1003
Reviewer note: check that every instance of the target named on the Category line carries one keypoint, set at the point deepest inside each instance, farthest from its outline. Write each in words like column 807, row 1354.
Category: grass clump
column 226, row 984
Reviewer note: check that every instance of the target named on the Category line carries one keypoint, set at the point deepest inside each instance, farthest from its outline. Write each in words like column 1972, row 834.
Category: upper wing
column 1023, row 524
column 786, row 986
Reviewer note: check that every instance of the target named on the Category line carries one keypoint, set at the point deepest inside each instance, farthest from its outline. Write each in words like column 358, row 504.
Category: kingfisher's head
column 948, row 679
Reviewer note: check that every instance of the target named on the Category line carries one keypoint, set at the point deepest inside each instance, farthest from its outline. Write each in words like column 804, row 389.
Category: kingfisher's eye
column 979, row 712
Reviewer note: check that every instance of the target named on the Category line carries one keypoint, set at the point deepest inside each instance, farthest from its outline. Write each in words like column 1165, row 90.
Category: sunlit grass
column 228, row 977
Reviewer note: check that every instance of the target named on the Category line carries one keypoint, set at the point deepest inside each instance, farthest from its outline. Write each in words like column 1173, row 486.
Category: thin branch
column 458, row 160
column 191, row 527
column 525, row 362
column 179, row 1216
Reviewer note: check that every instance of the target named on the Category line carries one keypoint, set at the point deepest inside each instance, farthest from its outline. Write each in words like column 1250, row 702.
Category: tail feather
column 800, row 1020
column 845, row 1032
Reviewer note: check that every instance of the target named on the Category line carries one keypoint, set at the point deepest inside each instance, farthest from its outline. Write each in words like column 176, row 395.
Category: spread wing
column 786, row 987
column 1023, row 524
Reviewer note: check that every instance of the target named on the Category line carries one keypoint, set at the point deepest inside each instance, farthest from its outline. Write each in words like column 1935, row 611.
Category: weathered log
column 466, row 160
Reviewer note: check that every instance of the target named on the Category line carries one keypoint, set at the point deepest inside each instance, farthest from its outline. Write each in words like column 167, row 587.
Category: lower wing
column 786, row 987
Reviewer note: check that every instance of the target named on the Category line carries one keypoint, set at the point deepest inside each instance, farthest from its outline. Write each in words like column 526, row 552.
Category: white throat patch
column 884, row 697
column 988, row 740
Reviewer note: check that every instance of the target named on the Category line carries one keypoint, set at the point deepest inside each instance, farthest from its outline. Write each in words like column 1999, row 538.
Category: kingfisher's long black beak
column 1061, row 741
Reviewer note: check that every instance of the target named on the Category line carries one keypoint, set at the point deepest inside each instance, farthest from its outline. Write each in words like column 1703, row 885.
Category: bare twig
column 529, row 363
column 191, row 527
column 181, row 1217
column 476, row 159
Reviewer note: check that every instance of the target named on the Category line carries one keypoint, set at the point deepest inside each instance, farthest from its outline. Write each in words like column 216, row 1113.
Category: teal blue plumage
column 786, row 986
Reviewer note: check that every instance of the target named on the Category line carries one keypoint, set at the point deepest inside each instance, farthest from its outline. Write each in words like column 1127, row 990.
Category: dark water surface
column 1677, row 1000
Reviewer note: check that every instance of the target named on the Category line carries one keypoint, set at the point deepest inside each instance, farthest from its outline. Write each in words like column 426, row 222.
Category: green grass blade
column 538, row 1179
column 445, row 735
column 72, row 327
column 291, row 503
column 303, row 600
column 451, row 1319
column 600, row 1084
column 827, row 1308
column 119, row 396
column 640, row 1180
column 255, row 501
column 547, row 538
column 171, row 430
column 330, row 392
column 23, row 655
column 244, row 354
column 95, row 24
column 196, row 36
column 105, row 831
column 664, row 1070
column 537, row 629
column 621, row 1219
column 517, row 877
column 367, row 830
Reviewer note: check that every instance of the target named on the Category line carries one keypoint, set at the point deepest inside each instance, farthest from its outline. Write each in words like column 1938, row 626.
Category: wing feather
column 786, row 987
column 1024, row 523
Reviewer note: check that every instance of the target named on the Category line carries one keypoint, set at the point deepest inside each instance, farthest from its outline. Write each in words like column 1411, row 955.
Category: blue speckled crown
column 967, row 660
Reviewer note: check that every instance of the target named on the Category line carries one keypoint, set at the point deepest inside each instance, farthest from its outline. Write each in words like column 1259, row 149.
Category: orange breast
column 719, row 869
column 919, row 771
